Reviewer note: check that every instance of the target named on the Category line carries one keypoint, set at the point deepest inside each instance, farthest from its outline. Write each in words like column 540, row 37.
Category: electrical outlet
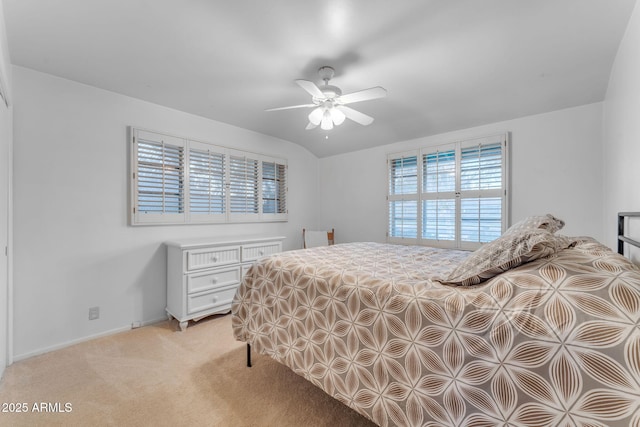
column 136, row 324
column 94, row 313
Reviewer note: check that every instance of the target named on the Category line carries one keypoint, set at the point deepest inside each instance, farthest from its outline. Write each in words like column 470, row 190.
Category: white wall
column 6, row 144
column 556, row 167
column 73, row 247
column 621, row 141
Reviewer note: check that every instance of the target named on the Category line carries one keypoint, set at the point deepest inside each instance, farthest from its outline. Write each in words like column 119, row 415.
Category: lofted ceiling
column 446, row 64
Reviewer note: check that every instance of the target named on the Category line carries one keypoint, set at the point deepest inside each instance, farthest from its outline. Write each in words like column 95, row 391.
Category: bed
column 547, row 334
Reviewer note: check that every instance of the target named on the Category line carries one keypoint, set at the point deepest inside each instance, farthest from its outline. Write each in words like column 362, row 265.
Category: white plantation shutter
column 439, row 194
column 274, row 191
column 403, row 197
column 243, row 187
column 207, row 193
column 481, row 219
column 481, row 166
column 180, row 181
column 281, row 193
column 403, row 222
column 461, row 194
column 439, row 219
column 481, row 190
column 159, row 176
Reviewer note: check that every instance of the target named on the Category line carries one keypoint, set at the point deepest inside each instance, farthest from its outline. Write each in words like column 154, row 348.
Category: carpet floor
column 158, row 376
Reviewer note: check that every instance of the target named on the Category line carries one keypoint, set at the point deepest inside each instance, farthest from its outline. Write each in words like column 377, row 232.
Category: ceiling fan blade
column 363, row 95
column 311, row 88
column 311, row 126
column 356, row 116
column 291, row 107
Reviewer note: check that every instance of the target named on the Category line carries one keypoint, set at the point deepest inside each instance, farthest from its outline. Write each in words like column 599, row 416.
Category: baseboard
column 65, row 344
column 152, row 322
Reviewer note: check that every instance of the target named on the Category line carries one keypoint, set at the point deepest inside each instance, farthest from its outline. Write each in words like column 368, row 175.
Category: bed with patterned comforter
column 552, row 342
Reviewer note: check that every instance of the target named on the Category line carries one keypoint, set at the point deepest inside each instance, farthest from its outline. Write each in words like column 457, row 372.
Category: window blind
column 403, row 175
column 274, row 200
column 481, row 219
column 439, row 171
column 403, row 219
column 481, row 192
column 439, row 219
column 438, row 199
column 403, row 197
column 160, row 177
column 206, row 182
column 481, row 167
column 179, row 181
column 455, row 198
column 243, row 185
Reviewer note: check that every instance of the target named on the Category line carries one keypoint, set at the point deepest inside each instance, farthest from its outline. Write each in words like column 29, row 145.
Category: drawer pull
column 214, row 259
column 214, row 280
column 214, row 299
column 260, row 252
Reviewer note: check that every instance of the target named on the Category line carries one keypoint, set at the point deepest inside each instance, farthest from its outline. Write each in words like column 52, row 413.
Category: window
column 175, row 180
column 403, row 196
column 243, row 185
column 207, row 192
column 159, row 174
column 274, row 199
column 439, row 195
column 452, row 195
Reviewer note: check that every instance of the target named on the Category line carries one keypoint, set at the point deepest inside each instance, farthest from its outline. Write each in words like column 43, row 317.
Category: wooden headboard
column 622, row 238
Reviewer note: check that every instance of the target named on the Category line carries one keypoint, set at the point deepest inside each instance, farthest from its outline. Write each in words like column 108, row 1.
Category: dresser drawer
column 211, row 257
column 255, row 251
column 218, row 298
column 220, row 277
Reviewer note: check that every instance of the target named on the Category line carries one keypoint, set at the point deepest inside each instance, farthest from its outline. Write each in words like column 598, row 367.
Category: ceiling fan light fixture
column 337, row 116
column 327, row 122
column 315, row 116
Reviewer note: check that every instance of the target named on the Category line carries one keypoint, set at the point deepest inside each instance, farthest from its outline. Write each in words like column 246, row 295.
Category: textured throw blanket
column 554, row 342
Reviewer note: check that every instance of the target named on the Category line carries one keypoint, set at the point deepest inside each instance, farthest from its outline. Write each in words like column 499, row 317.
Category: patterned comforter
column 555, row 342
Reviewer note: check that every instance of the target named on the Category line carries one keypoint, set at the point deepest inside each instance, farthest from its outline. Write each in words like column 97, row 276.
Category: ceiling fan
column 330, row 104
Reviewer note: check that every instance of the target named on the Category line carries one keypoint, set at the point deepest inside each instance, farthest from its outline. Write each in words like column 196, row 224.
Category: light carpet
column 159, row 376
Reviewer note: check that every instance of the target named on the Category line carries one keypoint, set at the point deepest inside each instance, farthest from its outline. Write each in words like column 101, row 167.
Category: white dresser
column 204, row 274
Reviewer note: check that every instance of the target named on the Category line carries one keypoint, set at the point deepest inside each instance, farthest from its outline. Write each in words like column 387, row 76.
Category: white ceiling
column 446, row 64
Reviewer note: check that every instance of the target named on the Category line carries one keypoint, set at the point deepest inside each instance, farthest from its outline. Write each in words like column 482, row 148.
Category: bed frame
column 622, row 238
